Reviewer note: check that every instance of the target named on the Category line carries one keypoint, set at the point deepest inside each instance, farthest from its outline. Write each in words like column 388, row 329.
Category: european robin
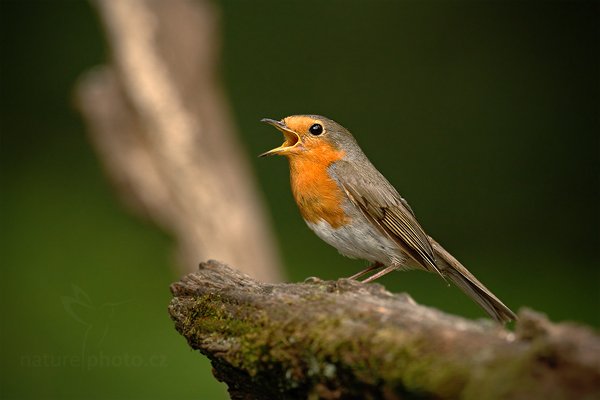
column 349, row 204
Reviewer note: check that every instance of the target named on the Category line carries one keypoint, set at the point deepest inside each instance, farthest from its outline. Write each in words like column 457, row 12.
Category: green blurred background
column 483, row 115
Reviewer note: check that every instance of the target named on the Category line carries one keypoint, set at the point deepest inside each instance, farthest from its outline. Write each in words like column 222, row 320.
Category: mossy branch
column 344, row 339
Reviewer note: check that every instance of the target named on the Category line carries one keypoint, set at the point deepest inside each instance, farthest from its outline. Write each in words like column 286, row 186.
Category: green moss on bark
column 342, row 339
column 257, row 343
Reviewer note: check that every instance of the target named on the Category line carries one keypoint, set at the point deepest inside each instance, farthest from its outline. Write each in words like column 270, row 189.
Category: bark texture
column 159, row 120
column 344, row 339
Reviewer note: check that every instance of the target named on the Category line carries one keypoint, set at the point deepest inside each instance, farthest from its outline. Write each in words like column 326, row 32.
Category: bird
column 351, row 206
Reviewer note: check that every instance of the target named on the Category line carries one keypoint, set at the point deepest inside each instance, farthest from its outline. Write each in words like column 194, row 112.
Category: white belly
column 359, row 239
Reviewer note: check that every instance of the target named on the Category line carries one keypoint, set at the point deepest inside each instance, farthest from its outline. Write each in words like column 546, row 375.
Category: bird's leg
column 381, row 273
column 375, row 265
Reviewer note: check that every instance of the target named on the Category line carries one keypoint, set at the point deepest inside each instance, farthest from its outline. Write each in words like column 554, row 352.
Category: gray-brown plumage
column 383, row 205
column 379, row 226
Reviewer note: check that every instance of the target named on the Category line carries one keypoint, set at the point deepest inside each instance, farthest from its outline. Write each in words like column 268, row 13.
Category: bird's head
column 310, row 136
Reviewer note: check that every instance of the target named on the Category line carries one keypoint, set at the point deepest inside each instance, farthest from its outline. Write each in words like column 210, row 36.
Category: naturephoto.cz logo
column 95, row 320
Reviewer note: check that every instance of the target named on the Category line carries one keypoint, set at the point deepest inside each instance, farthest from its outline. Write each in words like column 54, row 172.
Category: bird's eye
column 316, row 129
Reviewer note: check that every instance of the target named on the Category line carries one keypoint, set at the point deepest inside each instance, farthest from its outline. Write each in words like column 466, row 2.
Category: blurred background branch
column 160, row 122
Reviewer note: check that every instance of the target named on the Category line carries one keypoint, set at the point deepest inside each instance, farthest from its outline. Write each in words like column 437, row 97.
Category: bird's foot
column 313, row 279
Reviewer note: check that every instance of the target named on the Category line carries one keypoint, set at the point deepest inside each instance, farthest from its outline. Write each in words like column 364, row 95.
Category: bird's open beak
column 291, row 138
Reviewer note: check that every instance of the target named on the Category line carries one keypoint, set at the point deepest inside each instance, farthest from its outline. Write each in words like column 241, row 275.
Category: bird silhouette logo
column 95, row 318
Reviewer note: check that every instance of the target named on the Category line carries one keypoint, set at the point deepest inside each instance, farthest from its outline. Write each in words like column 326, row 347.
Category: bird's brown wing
column 383, row 205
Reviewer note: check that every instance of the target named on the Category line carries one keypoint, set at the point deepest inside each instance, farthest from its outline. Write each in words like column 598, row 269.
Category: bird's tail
column 461, row 277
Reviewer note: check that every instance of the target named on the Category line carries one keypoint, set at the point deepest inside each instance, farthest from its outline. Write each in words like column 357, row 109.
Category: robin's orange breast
column 317, row 194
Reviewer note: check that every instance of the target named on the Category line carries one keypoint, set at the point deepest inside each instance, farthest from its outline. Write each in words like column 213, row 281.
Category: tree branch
column 345, row 339
column 159, row 120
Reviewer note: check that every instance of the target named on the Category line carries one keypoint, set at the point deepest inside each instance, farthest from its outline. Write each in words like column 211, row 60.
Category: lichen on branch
column 345, row 339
